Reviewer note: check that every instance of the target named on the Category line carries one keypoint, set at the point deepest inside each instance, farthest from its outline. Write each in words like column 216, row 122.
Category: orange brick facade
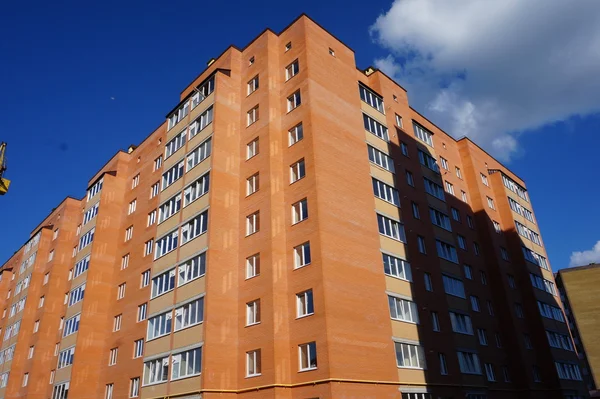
column 464, row 323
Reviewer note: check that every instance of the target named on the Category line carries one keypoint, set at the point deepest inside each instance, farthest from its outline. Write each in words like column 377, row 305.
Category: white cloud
column 586, row 257
column 494, row 69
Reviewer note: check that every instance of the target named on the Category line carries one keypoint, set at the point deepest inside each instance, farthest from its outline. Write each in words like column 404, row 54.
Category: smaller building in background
column 580, row 294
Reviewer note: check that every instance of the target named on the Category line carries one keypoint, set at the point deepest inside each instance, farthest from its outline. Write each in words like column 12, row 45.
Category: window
column 443, row 367
column 60, row 391
column 463, row 195
column 559, row 341
column 469, row 363
column 129, row 233
column 380, row 159
column 440, row 219
column 145, row 279
column 157, row 163
column 490, row 308
column 175, row 144
column 428, row 285
column 521, row 210
column 483, row 277
column 92, row 191
column 462, row 242
column 385, row 192
column 46, row 278
column 288, row 46
column 489, row 372
column 428, row 161
column 482, row 335
column 138, row 348
column 41, row 302
column 476, row 249
column 186, row 364
column 252, row 184
column 435, row 321
column 25, row 379
column 415, row 210
column 490, row 203
column 117, row 323
column 50, row 255
column 81, row 266
column 297, row 171
column 458, row 173
column 295, row 134
column 535, row 258
column 252, row 148
column 446, row 251
column 299, row 211
column 304, row 304
column 166, row 244
column 434, row 189
column 142, row 312
column 253, row 266
column 173, row 174
column 292, row 70
column 4, row 380
column 194, row 227
column 449, row 187
column 154, row 190
column 302, row 255
column 253, row 363
column 421, row 244
column 331, row 52
column 52, row 372
column 537, row 375
column 404, row 148
column 253, row 85
column 461, row 323
column 252, row 223
column 65, row 358
column 375, row 127
column 294, row 101
column 36, row 326
column 121, row 291
column 409, row 178
column 201, row 122
column 396, row 267
column 398, row 120
column 72, row 325
column 529, row 234
column 162, row 283
column 192, row 269
column 519, row 311
column 307, row 354
column 506, row 374
column 112, row 360
column 550, row 312
column 542, row 284
column 409, row 355
column 160, row 325
column 151, row 218
column 86, row 239
column 250, row 61
column 190, row 314
column 135, row 181
column 369, row 97
column 453, row 286
column 76, row 294
column 253, row 312
column 423, row 134
column 444, row 163
column 403, row 309
column 391, row 228
column 148, row 246
column 514, row 187
column 568, row 371
column 179, row 114
column 156, row 370
column 474, row 303
column 198, row 154
column 55, row 234
column 252, row 116
column 134, row 387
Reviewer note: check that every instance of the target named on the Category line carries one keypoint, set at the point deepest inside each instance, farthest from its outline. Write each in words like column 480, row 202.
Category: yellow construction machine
column 4, row 183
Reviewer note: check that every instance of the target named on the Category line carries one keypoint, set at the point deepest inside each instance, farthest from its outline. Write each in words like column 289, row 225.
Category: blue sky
column 61, row 67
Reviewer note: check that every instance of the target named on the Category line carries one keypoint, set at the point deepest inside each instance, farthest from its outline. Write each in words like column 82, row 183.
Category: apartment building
column 578, row 288
column 294, row 229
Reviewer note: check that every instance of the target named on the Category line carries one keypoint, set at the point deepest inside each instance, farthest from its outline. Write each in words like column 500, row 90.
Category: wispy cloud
column 493, row 70
column 586, row 257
